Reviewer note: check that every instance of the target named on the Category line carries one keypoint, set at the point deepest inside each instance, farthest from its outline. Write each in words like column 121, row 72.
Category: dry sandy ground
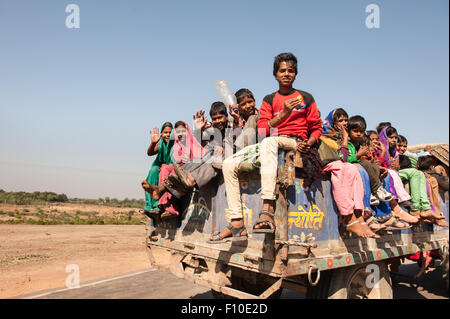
column 35, row 257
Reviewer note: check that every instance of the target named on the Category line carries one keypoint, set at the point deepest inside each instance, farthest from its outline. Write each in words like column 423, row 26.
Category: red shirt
column 300, row 123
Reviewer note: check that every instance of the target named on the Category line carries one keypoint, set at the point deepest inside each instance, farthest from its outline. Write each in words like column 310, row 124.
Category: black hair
column 366, row 140
column 356, row 121
column 337, row 114
column 218, row 108
column 390, row 130
column 382, row 125
column 404, row 162
column 370, row 132
column 166, row 124
column 284, row 57
column 402, row 139
column 180, row 123
column 425, row 162
column 242, row 93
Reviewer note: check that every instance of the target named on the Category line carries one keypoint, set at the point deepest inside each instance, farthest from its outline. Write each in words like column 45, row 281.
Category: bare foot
column 431, row 214
column 153, row 190
column 360, row 228
column 402, row 215
column 442, row 223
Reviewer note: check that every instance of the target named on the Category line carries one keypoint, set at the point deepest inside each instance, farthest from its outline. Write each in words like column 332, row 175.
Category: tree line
column 24, row 198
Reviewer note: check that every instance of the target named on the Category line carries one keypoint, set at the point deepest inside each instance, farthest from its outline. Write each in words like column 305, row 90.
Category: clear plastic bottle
column 225, row 93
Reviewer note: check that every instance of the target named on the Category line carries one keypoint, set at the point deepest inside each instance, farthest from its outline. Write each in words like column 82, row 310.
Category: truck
column 310, row 252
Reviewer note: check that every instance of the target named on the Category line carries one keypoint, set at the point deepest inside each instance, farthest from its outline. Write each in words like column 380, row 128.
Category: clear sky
column 77, row 105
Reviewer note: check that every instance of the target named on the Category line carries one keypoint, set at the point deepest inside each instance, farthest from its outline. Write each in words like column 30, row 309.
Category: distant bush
column 24, row 198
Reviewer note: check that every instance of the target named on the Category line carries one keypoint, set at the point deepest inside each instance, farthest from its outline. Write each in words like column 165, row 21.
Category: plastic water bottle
column 225, row 93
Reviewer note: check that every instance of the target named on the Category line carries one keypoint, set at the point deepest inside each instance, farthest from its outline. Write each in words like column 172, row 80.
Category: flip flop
column 396, row 223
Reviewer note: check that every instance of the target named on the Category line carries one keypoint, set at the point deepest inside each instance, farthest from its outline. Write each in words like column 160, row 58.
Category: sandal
column 235, row 235
column 396, row 223
column 374, row 222
column 176, row 184
column 184, row 177
column 269, row 224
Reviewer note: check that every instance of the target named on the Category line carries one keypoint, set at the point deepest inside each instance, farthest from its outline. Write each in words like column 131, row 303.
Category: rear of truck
column 310, row 252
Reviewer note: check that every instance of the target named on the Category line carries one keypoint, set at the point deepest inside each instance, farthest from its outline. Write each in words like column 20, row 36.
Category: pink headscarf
column 193, row 148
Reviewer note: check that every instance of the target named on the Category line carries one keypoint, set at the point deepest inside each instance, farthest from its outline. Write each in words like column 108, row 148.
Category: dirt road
column 113, row 264
column 34, row 257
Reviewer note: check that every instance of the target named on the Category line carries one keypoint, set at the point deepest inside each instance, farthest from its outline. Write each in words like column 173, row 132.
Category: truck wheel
column 354, row 283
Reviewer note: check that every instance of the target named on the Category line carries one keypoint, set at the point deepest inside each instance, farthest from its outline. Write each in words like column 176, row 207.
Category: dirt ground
column 35, row 257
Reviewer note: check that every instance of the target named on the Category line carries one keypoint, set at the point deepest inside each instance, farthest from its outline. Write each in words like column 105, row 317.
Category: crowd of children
column 376, row 183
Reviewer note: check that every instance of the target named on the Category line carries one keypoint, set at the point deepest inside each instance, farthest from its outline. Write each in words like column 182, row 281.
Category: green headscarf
column 164, row 156
column 165, row 150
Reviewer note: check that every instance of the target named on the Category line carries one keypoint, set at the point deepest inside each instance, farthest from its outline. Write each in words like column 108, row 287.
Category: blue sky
column 77, row 105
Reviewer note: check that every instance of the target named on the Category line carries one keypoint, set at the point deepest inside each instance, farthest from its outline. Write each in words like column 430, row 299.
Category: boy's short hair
column 242, row 93
column 404, row 162
column 425, row 162
column 284, row 57
column 218, row 108
column 357, row 121
column 402, row 139
column 337, row 114
column 382, row 125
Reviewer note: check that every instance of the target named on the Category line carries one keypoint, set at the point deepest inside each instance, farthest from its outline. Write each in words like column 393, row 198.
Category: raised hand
column 342, row 130
column 234, row 114
column 154, row 135
column 200, row 121
column 363, row 151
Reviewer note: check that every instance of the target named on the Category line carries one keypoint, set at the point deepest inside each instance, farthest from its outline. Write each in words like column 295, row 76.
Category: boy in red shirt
column 292, row 120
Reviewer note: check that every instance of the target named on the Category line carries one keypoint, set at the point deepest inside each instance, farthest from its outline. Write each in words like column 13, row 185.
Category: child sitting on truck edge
column 351, row 189
column 421, row 206
column 247, row 118
column 356, row 130
column 292, row 119
column 161, row 145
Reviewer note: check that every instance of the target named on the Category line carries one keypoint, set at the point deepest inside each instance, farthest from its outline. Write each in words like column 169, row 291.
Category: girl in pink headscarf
column 186, row 148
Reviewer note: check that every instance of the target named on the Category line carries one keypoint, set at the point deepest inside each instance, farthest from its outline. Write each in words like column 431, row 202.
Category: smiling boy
column 292, row 120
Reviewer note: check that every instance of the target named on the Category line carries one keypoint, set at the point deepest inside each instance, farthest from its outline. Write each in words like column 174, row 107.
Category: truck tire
column 352, row 283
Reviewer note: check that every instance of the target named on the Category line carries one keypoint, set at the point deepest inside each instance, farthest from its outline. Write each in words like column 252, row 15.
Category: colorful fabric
column 352, row 150
column 417, row 187
column 184, row 152
column 391, row 154
column 164, row 156
column 327, row 124
column 366, row 185
column 401, row 194
column 347, row 187
column 301, row 123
